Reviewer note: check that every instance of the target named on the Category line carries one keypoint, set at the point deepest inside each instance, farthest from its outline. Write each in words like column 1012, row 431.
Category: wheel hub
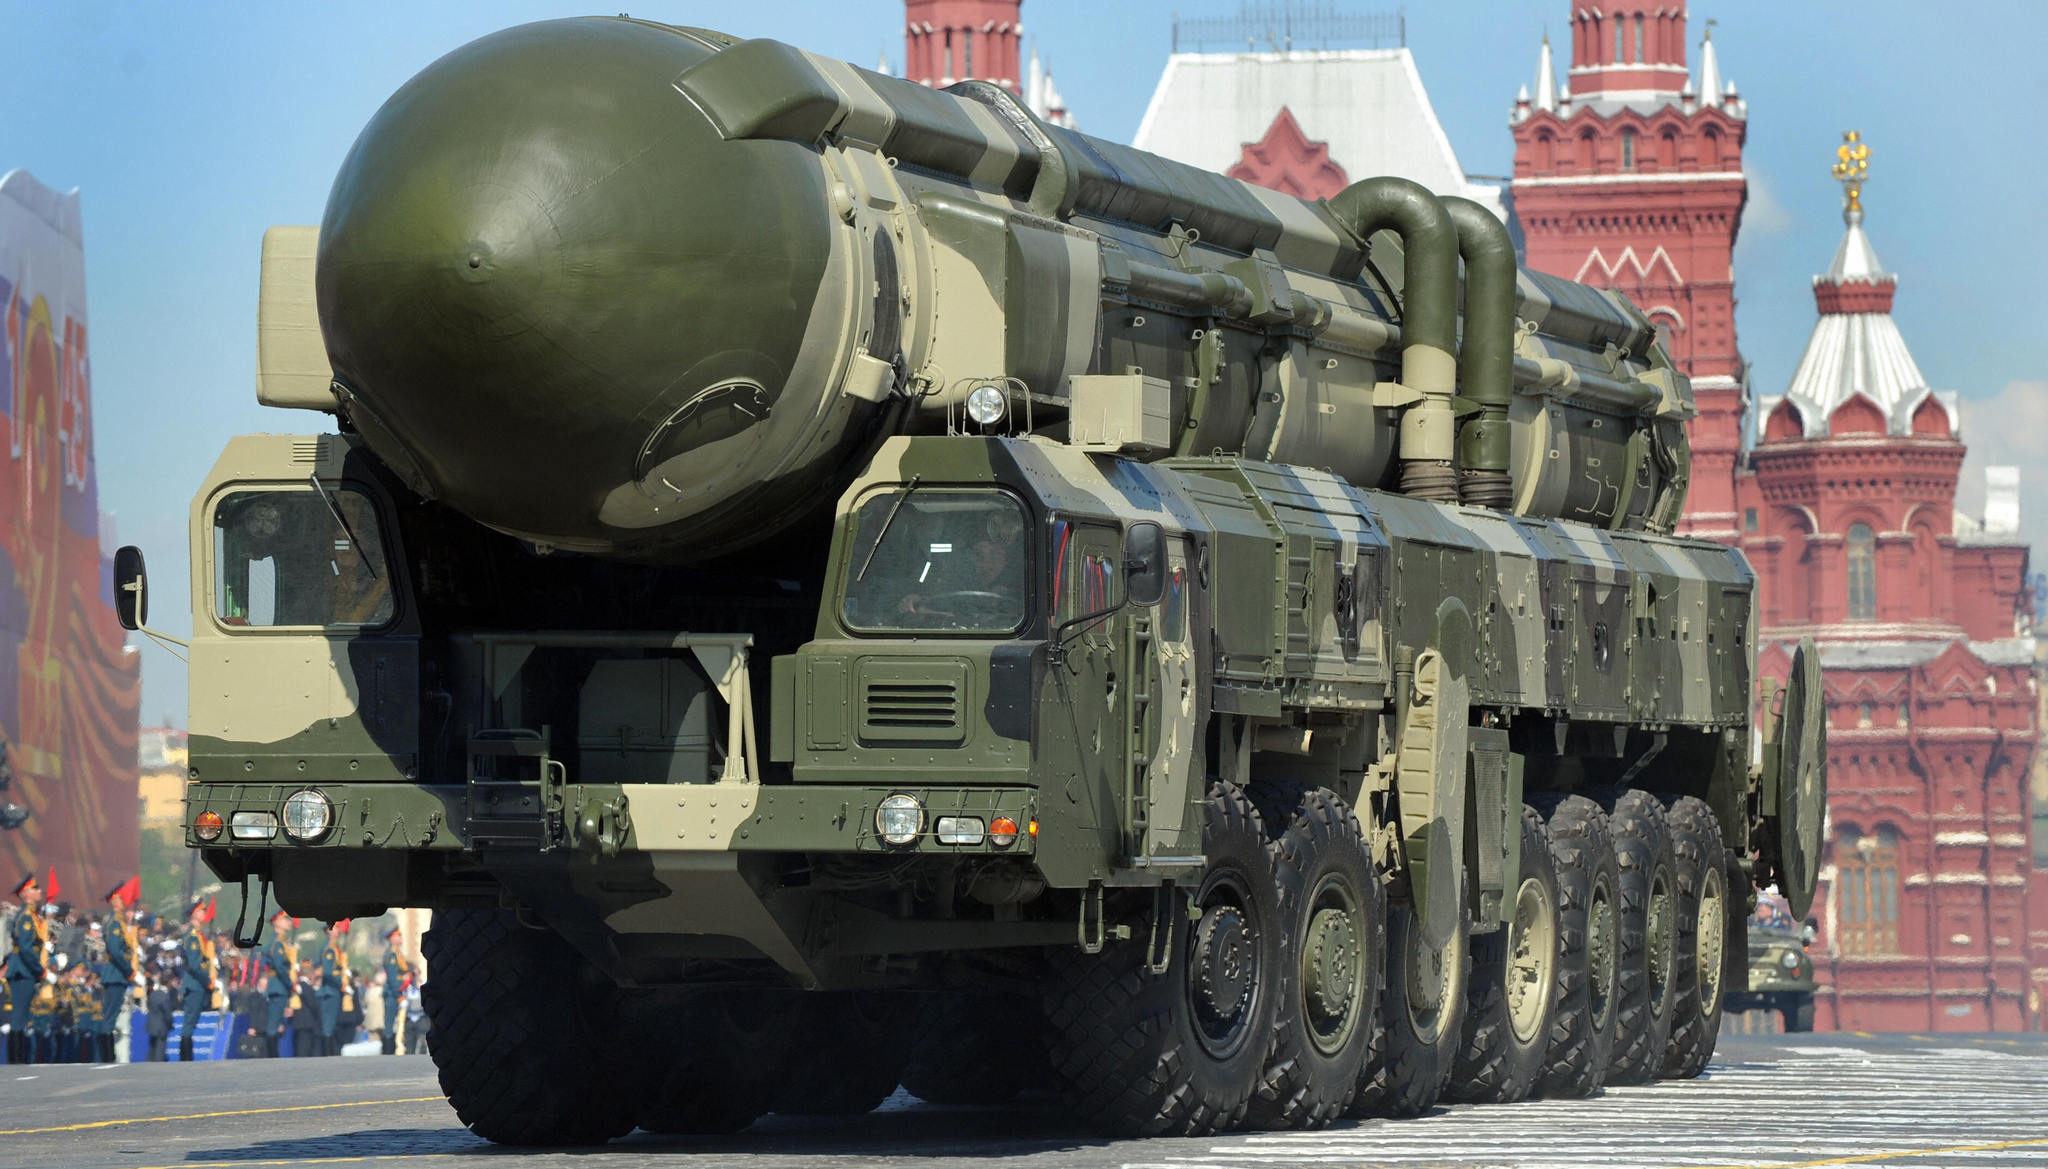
column 1223, row 962
column 1710, row 939
column 1532, row 956
column 1329, row 966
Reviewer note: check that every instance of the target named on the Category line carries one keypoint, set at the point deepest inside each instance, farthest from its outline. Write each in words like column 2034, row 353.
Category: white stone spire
column 1034, row 84
column 1546, row 79
column 1709, row 87
column 882, row 65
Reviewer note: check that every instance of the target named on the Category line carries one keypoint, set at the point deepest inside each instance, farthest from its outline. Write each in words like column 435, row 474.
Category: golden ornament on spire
column 1852, row 166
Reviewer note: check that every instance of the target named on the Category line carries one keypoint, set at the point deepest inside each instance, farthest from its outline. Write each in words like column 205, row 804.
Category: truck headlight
column 899, row 819
column 308, row 814
column 987, row 405
column 960, row 830
column 252, row 826
column 1790, row 961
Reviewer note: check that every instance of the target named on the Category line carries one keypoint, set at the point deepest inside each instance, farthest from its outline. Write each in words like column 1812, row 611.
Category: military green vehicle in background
column 1780, row 970
column 824, row 584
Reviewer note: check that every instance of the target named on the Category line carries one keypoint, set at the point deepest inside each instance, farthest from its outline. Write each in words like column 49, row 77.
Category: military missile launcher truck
column 824, row 584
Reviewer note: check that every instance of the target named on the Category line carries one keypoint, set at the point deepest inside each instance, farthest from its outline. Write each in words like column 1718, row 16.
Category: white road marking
column 1916, row 1108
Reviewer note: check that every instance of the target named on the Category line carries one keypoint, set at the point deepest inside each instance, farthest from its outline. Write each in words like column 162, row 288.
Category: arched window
column 1867, row 892
column 1667, row 150
column 1620, row 28
column 1586, row 151
column 1628, row 150
column 1862, row 573
column 1546, row 152
column 1639, row 38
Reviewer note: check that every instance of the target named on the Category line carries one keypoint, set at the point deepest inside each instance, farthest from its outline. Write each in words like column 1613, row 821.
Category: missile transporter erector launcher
column 826, row 584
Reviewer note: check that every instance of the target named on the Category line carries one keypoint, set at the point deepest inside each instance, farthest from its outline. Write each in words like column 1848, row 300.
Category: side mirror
column 1807, row 933
column 1144, row 564
column 131, row 587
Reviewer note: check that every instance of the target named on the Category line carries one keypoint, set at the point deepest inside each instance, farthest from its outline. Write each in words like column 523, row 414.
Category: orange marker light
column 1033, row 829
column 1002, row 832
column 207, row 827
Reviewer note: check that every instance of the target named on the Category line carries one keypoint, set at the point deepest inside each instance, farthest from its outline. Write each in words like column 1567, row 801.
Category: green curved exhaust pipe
column 1429, row 322
column 1486, row 359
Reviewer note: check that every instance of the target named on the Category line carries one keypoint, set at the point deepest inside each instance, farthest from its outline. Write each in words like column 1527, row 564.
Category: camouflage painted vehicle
column 1780, row 970
column 826, row 584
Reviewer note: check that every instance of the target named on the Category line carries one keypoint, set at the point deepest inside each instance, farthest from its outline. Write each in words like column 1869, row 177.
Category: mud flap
column 1430, row 779
column 1795, row 784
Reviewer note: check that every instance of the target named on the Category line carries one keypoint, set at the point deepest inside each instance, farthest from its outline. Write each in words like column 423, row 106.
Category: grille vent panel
column 912, row 700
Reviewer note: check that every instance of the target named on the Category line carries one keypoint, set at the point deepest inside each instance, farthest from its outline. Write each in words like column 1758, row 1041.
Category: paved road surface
column 1809, row 1101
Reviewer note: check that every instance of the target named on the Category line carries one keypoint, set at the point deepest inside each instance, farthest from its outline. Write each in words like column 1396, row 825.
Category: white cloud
column 1764, row 215
column 2009, row 428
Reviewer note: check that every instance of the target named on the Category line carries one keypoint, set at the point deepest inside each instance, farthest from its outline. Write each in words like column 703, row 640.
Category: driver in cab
column 977, row 577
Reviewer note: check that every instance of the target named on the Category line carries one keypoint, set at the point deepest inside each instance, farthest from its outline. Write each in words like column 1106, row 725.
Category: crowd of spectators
column 79, row 1011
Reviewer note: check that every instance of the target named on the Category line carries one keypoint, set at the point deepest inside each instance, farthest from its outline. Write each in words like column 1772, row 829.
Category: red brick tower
column 1849, row 518
column 945, row 41
column 1631, row 178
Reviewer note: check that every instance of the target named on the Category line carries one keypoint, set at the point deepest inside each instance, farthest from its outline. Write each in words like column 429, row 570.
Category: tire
column 978, row 1050
column 519, row 1030
column 1798, row 1015
column 1582, row 1025
column 1512, row 995
column 1143, row 1054
column 1335, row 912
column 717, row 1059
column 849, row 1056
column 1642, row 849
column 1421, row 1017
column 1700, row 957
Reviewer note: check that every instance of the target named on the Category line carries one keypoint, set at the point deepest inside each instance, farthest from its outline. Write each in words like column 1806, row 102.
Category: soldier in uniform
column 200, row 979
column 306, row 1037
column 334, row 986
column 27, row 957
column 396, row 971
column 281, row 981
column 88, row 1015
column 42, row 1024
column 124, row 950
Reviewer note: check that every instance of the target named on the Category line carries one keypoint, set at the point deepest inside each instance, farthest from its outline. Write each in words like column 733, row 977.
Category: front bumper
column 614, row 818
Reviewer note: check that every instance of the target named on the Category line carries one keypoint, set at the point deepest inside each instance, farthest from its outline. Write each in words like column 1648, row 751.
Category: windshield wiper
column 886, row 521
column 363, row 556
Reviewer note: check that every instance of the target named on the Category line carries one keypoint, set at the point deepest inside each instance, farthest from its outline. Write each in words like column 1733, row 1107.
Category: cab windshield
column 303, row 557
column 937, row 561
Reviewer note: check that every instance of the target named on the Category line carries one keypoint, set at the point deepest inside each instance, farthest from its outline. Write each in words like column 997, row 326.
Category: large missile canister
column 555, row 299
column 636, row 290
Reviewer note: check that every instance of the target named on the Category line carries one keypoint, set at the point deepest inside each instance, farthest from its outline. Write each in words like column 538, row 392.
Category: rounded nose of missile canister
column 538, row 253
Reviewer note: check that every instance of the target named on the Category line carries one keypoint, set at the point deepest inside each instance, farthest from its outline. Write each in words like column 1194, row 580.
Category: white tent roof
column 1367, row 104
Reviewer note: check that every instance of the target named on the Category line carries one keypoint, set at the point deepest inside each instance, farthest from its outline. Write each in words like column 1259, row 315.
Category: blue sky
column 190, row 127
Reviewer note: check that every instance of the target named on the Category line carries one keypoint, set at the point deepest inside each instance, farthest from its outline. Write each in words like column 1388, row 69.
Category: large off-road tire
column 1701, row 956
column 977, row 1049
column 1649, row 937
column 1797, row 1012
column 521, row 1031
column 1421, row 1017
column 1512, row 993
column 1582, row 1025
column 716, row 1060
column 848, row 1054
column 1335, row 912
column 1178, row 1053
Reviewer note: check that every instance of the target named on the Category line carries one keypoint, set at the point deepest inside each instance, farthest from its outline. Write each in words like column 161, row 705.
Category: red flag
column 50, row 892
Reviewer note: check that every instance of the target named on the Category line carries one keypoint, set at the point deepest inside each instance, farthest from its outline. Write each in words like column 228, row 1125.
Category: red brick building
column 1848, row 514
column 1630, row 177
